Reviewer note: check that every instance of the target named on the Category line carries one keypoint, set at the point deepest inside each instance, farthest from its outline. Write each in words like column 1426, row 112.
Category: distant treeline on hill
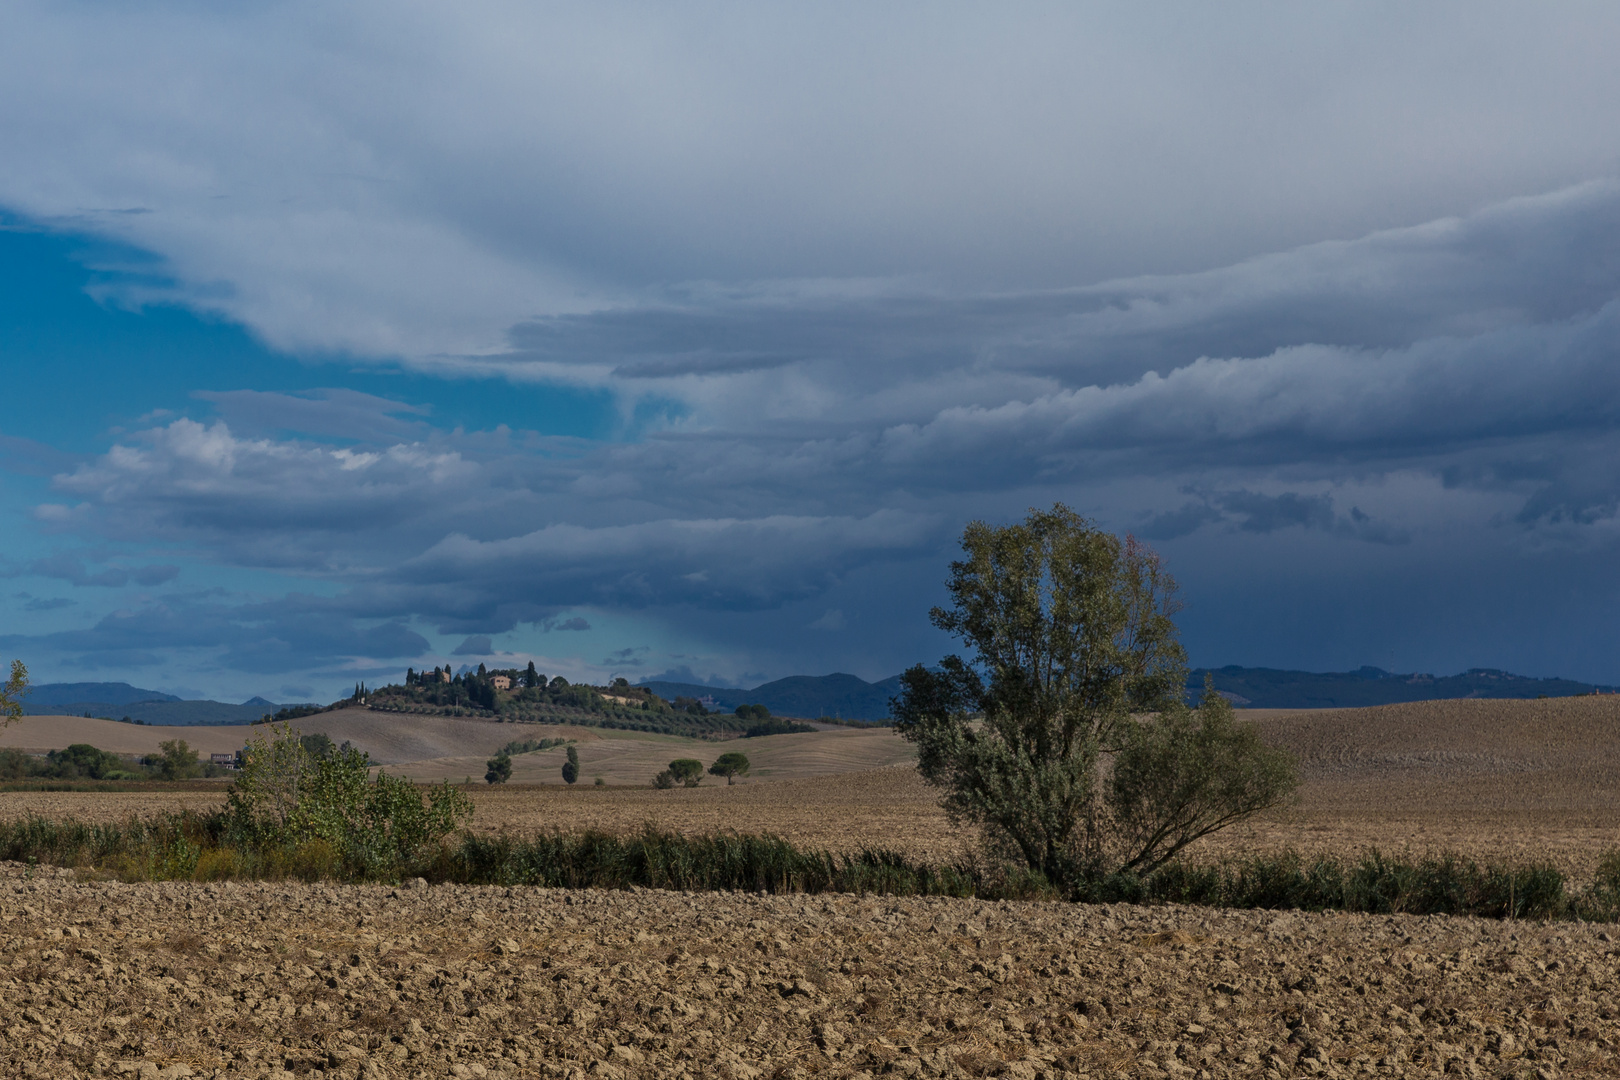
column 525, row 695
column 1269, row 688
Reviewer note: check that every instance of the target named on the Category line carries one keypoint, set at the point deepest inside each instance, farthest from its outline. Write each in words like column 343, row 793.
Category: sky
column 650, row 341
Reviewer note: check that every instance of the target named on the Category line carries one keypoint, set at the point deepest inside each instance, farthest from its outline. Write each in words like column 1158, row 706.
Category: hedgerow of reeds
column 206, row 847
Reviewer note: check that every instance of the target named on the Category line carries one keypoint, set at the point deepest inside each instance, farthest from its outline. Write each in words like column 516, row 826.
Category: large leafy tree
column 688, row 771
column 1064, row 734
column 730, row 765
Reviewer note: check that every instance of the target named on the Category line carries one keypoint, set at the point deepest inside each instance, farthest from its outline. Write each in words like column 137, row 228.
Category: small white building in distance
column 501, row 682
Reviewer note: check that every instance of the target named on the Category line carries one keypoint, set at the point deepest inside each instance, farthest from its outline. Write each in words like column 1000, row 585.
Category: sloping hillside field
column 1491, row 779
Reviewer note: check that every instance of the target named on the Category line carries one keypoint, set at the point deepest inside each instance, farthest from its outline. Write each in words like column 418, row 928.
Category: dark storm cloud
column 1260, row 512
column 297, row 633
column 577, row 623
column 721, row 563
column 42, row 603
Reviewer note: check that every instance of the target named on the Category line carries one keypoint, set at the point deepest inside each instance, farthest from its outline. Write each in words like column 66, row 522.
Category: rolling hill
column 117, row 700
column 847, row 697
column 108, row 693
column 431, row 748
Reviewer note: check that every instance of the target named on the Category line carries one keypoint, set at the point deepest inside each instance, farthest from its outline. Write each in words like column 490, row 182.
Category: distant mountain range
column 112, row 693
column 119, row 700
column 847, row 697
column 853, row 698
column 1269, row 688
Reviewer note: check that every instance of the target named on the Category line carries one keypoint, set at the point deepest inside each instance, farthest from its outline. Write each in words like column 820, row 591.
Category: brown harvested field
column 434, row 748
column 1516, row 780
column 281, row 980
column 390, row 738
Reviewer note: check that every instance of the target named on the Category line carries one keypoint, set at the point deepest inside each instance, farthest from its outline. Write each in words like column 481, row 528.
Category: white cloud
column 414, row 180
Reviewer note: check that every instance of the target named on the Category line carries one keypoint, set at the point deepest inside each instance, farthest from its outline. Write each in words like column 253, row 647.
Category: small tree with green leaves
column 178, row 760
column 570, row 769
column 11, row 695
column 82, row 759
column 500, row 769
column 688, row 771
column 1065, row 736
column 285, row 796
column 664, row 780
column 729, row 765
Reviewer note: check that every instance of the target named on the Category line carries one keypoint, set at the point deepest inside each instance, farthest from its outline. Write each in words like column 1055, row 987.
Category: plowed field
column 251, row 980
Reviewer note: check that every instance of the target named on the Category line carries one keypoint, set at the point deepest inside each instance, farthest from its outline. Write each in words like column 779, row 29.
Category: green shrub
column 178, row 761
column 16, row 765
column 284, row 797
column 84, row 760
column 500, row 769
column 688, row 771
column 1602, row 902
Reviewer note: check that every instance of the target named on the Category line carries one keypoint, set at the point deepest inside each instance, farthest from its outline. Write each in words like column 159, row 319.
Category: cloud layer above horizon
column 700, row 338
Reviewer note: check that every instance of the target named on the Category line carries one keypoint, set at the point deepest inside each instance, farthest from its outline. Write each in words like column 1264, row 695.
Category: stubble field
column 256, row 979
column 1508, row 780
